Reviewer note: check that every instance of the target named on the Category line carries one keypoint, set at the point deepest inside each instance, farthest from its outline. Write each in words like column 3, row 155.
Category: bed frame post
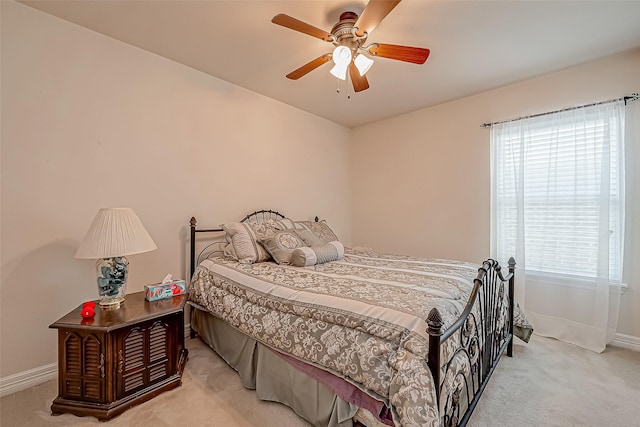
column 434, row 329
column 192, row 267
column 512, row 268
column 192, row 247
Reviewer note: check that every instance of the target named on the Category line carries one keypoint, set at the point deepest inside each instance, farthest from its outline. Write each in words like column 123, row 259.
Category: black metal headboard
column 260, row 216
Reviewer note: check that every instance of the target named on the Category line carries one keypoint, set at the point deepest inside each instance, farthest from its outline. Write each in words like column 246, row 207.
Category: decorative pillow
column 320, row 229
column 310, row 239
column 244, row 239
column 306, row 256
column 281, row 245
column 229, row 252
column 283, row 223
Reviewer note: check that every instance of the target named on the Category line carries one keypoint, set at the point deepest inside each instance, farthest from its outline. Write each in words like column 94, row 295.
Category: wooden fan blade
column 360, row 83
column 373, row 13
column 310, row 66
column 416, row 55
column 303, row 27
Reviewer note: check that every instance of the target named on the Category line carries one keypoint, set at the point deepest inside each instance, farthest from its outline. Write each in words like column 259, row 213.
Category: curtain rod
column 632, row 97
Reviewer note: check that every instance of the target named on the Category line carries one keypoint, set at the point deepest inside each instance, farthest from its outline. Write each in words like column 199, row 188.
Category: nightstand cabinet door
column 146, row 354
column 82, row 373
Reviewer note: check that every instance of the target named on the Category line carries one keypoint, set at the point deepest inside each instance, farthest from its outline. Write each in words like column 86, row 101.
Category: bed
column 367, row 339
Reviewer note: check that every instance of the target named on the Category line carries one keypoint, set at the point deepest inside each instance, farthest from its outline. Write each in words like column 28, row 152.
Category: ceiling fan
column 348, row 36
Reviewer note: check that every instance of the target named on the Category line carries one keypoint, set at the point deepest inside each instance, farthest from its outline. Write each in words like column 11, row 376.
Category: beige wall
column 89, row 122
column 421, row 181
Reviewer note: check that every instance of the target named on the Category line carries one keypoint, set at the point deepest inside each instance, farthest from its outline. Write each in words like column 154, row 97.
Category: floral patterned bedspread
column 362, row 317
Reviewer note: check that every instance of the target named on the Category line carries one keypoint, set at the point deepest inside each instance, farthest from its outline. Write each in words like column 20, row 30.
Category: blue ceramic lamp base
column 112, row 281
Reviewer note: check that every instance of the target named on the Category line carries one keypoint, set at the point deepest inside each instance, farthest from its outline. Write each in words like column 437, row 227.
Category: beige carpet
column 546, row 383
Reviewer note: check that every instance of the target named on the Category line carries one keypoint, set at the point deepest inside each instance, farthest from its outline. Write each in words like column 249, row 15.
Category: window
column 558, row 192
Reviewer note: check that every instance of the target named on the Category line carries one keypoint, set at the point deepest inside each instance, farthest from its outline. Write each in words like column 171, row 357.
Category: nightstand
column 119, row 358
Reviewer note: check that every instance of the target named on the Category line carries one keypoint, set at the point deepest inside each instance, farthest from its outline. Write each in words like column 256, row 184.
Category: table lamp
column 113, row 234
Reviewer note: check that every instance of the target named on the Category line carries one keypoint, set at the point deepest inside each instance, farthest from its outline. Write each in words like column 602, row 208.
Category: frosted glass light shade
column 339, row 71
column 115, row 232
column 363, row 64
column 341, row 55
column 342, row 58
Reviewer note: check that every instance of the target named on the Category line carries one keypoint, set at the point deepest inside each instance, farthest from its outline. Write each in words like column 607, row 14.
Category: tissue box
column 164, row 290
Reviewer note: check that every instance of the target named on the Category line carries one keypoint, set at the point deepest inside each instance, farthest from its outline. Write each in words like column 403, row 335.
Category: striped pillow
column 244, row 237
column 306, row 256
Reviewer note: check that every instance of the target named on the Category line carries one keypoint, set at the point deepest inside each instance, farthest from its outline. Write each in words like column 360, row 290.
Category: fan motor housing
column 343, row 31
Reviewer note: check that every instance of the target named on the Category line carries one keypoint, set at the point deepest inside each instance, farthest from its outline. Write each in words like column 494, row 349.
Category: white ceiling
column 475, row 45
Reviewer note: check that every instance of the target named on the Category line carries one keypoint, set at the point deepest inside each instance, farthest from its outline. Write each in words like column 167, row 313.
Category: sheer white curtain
column 558, row 208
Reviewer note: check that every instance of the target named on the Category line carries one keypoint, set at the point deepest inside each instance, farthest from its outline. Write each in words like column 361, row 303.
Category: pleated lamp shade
column 115, row 232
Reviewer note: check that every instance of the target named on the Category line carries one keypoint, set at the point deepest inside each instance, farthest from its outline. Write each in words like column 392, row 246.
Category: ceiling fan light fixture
column 342, row 58
column 363, row 64
column 348, row 36
column 340, row 71
column 342, row 55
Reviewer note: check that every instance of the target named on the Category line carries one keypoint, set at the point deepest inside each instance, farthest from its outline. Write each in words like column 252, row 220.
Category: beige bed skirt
column 274, row 379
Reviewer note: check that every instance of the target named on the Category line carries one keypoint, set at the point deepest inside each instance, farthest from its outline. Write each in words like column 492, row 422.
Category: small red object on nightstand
column 87, row 311
column 89, row 304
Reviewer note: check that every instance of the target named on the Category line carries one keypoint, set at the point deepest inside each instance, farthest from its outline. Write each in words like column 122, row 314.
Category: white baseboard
column 26, row 379
column 626, row 341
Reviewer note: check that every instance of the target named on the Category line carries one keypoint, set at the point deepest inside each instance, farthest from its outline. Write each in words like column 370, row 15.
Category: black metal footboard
column 463, row 357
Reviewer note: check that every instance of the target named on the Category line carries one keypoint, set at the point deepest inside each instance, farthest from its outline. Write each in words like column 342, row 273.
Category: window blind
column 558, row 184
